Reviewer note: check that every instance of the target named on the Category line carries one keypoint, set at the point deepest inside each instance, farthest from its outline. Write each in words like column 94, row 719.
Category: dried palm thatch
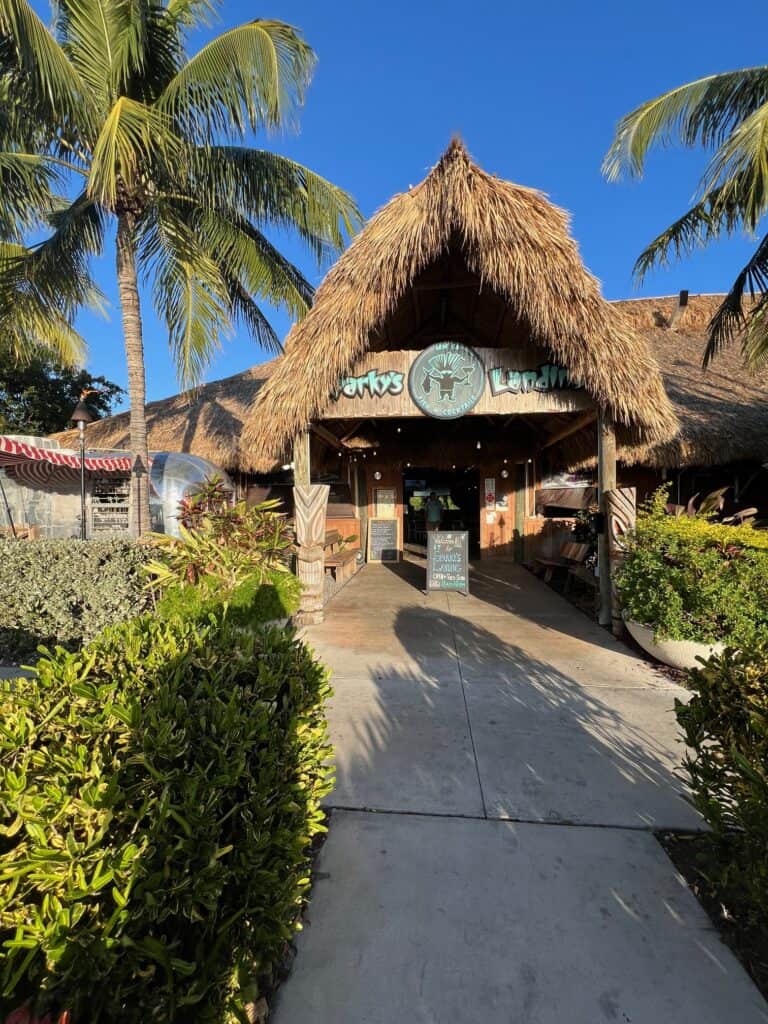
column 518, row 244
column 722, row 411
column 207, row 422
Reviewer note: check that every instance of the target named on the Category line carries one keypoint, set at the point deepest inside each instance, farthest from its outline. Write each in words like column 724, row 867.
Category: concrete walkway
column 501, row 763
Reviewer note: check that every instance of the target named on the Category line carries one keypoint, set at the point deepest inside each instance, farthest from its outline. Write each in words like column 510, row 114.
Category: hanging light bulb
column 479, row 446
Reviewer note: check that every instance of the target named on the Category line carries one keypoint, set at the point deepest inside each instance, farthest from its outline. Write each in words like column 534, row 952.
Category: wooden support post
column 520, row 497
column 302, row 475
column 310, row 504
column 606, row 481
column 361, row 500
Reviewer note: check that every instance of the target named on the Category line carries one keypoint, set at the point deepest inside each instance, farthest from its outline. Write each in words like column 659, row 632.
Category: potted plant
column 689, row 586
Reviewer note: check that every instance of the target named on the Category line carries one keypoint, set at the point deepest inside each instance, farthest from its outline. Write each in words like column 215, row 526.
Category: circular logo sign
column 446, row 380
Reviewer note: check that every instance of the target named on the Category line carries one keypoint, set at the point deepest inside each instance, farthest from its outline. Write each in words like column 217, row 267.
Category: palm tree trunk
column 138, row 521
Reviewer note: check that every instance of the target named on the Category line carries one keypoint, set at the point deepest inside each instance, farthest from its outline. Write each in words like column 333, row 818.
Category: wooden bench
column 572, row 555
column 340, row 563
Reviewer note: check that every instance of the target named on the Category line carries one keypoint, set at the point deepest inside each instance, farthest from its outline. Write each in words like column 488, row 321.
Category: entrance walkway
column 501, row 762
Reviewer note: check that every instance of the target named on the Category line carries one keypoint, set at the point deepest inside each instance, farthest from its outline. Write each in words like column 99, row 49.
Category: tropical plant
column 689, row 578
column 224, row 549
column 726, row 730
column 128, row 129
column 728, row 115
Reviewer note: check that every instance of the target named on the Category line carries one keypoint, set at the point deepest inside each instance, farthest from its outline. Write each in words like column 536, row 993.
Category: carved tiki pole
column 310, row 503
column 621, row 510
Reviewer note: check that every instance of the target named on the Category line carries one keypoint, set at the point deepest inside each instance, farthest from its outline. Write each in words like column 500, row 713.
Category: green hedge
column 691, row 579
column 726, row 725
column 159, row 792
column 66, row 591
column 251, row 602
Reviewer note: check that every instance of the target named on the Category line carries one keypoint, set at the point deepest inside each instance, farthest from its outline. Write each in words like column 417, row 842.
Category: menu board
column 383, row 540
column 448, row 560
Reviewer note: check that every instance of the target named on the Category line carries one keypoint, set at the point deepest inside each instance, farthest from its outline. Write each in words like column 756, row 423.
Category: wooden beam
column 521, row 479
column 326, row 435
column 352, row 432
column 570, row 428
column 606, row 481
column 302, row 471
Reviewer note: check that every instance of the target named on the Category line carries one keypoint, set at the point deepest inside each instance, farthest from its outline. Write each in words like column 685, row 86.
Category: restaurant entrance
column 457, row 491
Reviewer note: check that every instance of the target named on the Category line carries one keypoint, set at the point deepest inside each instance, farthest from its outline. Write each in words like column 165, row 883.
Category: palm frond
column 33, row 318
column 248, row 313
column 272, row 190
column 244, row 253
column 60, row 91
column 755, row 344
column 191, row 13
column 26, row 193
column 253, row 76
column 131, row 136
column 189, row 291
column 730, row 318
column 706, row 220
column 703, row 112
column 739, row 169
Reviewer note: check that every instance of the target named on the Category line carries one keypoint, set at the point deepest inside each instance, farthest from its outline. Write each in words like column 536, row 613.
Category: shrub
column 225, row 548
column 726, row 725
column 66, row 591
column 159, row 793
column 250, row 603
column 691, row 579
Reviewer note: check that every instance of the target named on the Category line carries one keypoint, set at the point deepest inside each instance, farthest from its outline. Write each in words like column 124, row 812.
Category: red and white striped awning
column 30, row 463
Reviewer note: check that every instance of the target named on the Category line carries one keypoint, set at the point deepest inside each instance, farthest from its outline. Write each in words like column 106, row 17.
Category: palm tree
column 728, row 115
column 106, row 118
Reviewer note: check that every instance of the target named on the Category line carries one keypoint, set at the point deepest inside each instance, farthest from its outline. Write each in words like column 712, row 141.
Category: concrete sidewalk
column 501, row 763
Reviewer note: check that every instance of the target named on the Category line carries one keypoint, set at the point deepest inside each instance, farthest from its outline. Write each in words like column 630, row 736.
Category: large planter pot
column 680, row 654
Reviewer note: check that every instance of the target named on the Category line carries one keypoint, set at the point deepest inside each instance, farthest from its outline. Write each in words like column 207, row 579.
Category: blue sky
column 535, row 90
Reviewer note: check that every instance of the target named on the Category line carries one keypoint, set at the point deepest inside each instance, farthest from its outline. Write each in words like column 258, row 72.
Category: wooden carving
column 621, row 513
column 621, row 508
column 310, row 504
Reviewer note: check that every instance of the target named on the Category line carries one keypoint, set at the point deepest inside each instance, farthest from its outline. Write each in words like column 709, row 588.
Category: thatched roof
column 518, row 245
column 723, row 410
column 207, row 422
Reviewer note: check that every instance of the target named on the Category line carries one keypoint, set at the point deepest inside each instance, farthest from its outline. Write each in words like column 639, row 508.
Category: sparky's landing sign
column 448, row 380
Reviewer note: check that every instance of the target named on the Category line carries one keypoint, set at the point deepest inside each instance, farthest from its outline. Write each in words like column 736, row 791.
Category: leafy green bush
column 159, row 792
column 66, row 591
column 726, row 725
column 250, row 603
column 691, row 579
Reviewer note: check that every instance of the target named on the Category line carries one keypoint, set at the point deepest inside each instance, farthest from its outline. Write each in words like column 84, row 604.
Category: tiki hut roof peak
column 518, row 246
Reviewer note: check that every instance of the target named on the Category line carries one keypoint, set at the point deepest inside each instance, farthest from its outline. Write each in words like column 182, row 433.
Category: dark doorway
column 458, row 491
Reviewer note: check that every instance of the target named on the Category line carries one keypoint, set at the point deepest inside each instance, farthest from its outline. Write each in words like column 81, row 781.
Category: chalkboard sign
column 448, row 560
column 383, row 540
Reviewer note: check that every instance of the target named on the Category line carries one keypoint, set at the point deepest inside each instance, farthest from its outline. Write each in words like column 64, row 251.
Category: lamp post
column 82, row 414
